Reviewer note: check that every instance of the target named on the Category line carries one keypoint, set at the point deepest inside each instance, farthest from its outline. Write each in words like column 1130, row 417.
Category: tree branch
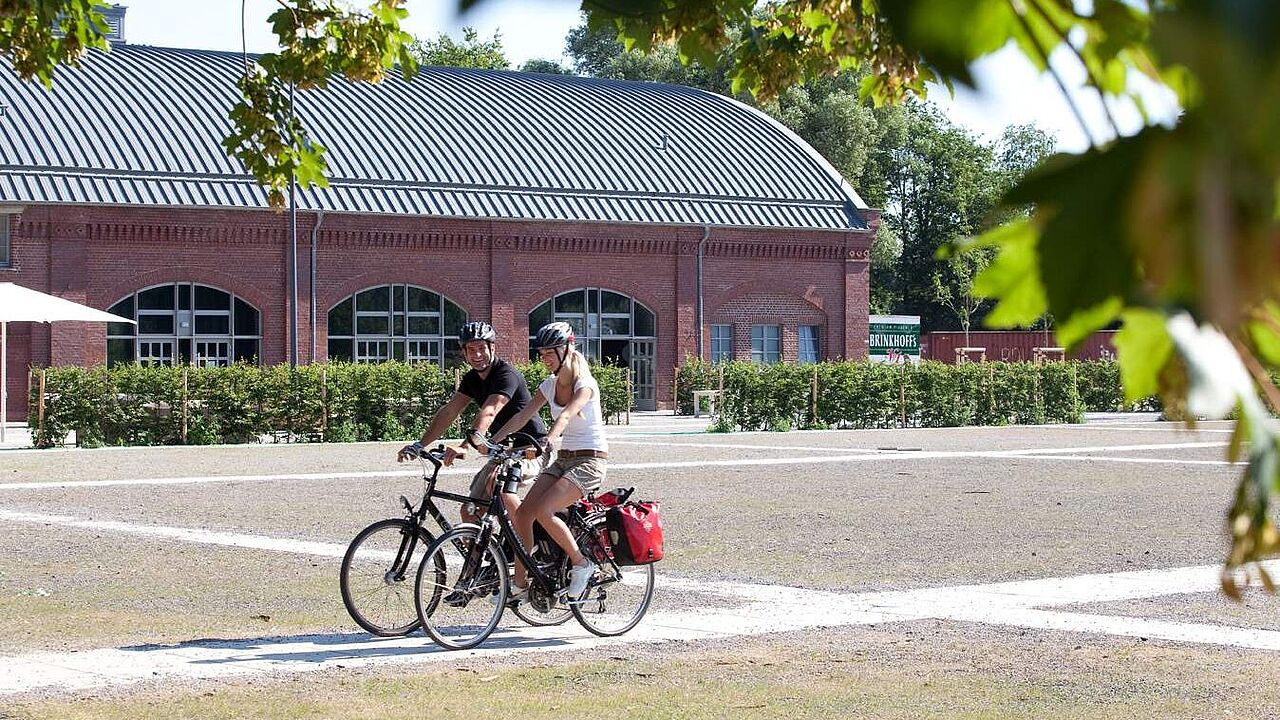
column 1018, row 9
column 1094, row 81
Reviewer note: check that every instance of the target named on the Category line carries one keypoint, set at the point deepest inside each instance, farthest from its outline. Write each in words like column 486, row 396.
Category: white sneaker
column 579, row 577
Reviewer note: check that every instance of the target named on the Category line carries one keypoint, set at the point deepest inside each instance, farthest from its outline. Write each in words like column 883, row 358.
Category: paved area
column 760, row 609
column 128, row 565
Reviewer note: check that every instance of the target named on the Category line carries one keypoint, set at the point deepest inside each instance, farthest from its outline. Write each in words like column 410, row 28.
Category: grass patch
column 854, row 673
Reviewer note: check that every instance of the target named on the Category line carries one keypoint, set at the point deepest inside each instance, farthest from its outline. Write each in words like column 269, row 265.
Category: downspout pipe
column 706, row 232
column 315, row 234
column 293, row 257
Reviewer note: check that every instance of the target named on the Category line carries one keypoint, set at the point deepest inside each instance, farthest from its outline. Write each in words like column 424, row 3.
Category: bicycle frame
column 510, row 473
column 418, row 515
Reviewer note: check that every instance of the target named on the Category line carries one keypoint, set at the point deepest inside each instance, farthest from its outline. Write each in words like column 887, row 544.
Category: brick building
column 661, row 221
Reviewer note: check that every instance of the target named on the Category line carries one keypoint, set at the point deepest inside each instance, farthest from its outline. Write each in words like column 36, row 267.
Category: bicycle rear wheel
column 460, row 595
column 376, row 576
column 616, row 599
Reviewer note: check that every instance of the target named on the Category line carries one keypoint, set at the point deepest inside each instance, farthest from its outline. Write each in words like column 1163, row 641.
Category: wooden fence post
column 813, row 398
column 324, row 400
column 675, row 389
column 902, row 396
column 184, row 405
column 40, row 408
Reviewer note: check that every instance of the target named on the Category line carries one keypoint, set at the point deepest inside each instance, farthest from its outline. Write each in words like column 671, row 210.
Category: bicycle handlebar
column 433, row 455
column 509, row 450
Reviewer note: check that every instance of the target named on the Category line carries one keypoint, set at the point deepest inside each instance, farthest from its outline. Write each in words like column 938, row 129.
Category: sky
column 1009, row 90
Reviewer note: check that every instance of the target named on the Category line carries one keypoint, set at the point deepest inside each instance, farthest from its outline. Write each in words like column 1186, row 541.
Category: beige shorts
column 586, row 472
column 529, row 470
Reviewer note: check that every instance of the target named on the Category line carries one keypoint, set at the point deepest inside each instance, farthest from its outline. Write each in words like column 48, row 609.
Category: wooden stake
column 629, row 395
column 40, row 408
column 184, row 406
column 324, row 399
column 813, row 398
column 675, row 388
column 902, row 396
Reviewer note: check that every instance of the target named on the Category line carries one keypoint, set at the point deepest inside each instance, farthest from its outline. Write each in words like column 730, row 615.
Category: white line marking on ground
column 191, row 535
column 766, row 609
column 674, row 443
column 1155, row 461
column 1146, row 427
column 863, row 456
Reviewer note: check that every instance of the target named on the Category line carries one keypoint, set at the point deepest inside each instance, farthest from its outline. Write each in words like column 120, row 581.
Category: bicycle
column 374, row 577
column 462, row 585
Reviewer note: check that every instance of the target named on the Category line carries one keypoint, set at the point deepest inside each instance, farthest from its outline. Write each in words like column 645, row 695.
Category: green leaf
column 1083, row 204
column 1013, row 278
column 1144, row 348
column 1086, row 321
column 1265, row 333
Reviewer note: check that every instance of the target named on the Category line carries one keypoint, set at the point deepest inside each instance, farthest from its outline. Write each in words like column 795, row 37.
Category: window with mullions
column 184, row 323
column 721, row 343
column 396, row 322
column 809, row 348
column 604, row 322
column 766, row 346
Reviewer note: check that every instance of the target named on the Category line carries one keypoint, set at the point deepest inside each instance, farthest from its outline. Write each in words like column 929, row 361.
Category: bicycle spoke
column 376, row 592
column 467, row 605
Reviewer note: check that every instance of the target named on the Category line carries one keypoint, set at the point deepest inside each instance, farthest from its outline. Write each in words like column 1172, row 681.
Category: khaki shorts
column 585, row 472
column 529, row 471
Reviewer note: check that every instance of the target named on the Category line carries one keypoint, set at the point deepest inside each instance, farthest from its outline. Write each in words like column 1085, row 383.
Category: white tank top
column 585, row 430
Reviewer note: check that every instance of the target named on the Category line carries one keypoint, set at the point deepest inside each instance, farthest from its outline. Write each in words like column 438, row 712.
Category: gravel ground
column 895, row 522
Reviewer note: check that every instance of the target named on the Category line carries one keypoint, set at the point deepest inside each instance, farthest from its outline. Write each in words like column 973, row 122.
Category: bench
column 713, row 401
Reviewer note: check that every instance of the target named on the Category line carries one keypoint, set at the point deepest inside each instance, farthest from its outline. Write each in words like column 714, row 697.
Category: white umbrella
column 17, row 304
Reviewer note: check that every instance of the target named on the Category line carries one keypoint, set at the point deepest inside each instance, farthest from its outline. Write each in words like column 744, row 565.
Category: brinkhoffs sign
column 894, row 338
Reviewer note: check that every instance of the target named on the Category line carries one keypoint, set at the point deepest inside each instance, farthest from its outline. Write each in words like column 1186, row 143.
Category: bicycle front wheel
column 616, row 599
column 376, row 580
column 460, row 594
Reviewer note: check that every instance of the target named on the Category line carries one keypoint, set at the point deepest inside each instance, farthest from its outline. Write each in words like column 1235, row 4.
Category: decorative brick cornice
column 468, row 242
column 600, row 245
column 771, row 251
column 182, row 234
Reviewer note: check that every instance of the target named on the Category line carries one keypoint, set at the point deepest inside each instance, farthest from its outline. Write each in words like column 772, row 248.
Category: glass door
column 643, row 384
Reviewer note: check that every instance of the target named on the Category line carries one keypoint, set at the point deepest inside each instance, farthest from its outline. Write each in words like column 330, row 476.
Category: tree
column 547, row 67
column 472, row 52
column 953, row 286
column 940, row 183
column 1172, row 231
column 886, row 248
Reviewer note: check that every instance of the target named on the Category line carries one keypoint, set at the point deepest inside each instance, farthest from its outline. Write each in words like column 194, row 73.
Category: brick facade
column 499, row 270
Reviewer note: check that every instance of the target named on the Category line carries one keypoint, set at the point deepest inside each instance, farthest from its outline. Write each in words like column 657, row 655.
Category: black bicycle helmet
column 477, row 330
column 552, row 335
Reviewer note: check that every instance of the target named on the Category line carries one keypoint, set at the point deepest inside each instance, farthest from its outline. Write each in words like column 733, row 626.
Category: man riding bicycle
column 502, row 393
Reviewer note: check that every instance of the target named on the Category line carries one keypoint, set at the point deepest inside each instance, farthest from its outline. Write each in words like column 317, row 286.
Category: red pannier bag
column 635, row 532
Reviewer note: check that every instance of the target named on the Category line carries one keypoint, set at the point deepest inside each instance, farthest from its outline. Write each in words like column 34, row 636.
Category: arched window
column 184, row 323
column 396, row 322
column 611, row 328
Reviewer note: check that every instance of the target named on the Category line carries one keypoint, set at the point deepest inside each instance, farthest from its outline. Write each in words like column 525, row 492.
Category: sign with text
column 894, row 338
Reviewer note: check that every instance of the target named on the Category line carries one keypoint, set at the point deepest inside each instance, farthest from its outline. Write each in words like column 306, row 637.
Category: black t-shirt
column 503, row 379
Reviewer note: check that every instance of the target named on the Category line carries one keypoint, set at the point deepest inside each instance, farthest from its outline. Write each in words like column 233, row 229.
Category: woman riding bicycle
column 579, row 468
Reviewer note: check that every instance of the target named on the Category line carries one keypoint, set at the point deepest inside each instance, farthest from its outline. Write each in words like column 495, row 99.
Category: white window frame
column 721, row 347
column 766, row 343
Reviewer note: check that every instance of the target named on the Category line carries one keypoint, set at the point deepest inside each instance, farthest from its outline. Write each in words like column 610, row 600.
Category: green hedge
column 877, row 395
column 333, row 402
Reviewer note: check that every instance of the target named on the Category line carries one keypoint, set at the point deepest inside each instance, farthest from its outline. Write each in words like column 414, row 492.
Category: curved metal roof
column 143, row 126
